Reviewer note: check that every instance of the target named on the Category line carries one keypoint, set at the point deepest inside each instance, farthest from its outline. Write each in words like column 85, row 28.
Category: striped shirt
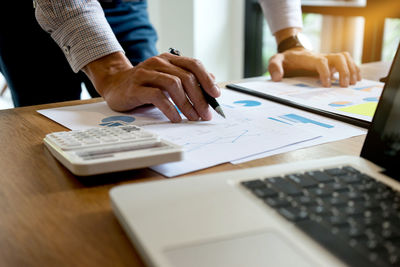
column 80, row 28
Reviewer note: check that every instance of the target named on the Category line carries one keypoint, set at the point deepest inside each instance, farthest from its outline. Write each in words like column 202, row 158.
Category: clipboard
column 328, row 114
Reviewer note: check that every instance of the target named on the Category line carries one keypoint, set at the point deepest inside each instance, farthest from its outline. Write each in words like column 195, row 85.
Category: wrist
column 286, row 33
column 296, row 41
column 100, row 70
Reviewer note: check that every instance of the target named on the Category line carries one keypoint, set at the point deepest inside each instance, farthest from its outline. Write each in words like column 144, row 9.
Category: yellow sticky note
column 366, row 109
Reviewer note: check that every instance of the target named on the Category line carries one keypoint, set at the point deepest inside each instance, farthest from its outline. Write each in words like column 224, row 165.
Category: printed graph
column 218, row 140
column 371, row 99
column 340, row 104
column 292, row 119
column 304, row 85
column 367, row 88
column 364, row 109
column 247, row 103
column 116, row 121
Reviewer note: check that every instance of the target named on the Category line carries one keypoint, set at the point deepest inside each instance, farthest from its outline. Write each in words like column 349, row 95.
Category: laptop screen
column 382, row 144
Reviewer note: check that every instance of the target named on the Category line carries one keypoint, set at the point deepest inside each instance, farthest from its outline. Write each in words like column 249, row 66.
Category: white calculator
column 110, row 149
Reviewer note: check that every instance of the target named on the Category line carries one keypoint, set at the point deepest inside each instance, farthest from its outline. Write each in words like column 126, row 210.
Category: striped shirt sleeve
column 281, row 14
column 79, row 27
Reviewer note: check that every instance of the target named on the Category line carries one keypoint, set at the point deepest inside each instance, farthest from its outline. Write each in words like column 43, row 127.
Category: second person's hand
column 298, row 61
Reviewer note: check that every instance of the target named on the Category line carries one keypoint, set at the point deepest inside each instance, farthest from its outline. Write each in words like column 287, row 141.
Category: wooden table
column 50, row 217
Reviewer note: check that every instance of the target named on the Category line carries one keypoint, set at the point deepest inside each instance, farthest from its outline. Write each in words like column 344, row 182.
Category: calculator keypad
column 98, row 136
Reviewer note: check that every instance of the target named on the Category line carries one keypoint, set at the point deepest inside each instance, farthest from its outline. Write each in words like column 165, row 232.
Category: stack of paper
column 254, row 127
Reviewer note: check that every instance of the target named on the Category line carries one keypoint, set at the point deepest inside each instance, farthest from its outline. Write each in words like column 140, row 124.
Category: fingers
column 302, row 61
column 322, row 66
column 127, row 88
column 155, row 96
column 275, row 67
column 212, row 76
column 173, row 85
column 196, row 67
column 180, row 84
column 297, row 62
column 340, row 63
column 355, row 72
column 349, row 72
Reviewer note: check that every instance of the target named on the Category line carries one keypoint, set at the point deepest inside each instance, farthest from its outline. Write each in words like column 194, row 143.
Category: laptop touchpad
column 259, row 249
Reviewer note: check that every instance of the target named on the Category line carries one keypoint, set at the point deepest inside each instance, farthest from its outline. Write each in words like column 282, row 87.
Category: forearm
column 101, row 70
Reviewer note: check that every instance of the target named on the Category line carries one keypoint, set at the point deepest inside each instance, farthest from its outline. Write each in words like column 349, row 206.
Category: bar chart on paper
column 242, row 134
column 252, row 126
column 294, row 118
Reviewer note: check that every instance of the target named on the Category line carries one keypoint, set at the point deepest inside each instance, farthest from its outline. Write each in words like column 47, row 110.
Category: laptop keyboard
column 354, row 216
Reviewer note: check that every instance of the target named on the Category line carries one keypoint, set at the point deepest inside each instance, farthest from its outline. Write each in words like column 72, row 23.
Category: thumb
column 275, row 67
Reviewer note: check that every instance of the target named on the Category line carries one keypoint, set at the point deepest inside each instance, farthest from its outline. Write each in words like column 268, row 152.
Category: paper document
column 253, row 126
column 357, row 101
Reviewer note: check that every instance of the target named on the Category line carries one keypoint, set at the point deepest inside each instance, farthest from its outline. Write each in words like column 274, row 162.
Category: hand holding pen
column 125, row 87
column 210, row 100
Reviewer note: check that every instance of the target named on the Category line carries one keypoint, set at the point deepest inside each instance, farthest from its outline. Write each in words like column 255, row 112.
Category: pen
column 210, row 100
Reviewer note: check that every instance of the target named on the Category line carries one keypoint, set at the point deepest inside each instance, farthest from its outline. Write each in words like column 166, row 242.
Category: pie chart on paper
column 247, row 103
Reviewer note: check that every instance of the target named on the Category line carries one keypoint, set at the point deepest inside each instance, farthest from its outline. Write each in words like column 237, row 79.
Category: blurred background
column 233, row 41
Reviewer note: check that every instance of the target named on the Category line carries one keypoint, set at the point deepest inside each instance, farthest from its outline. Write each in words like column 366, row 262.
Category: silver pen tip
column 219, row 111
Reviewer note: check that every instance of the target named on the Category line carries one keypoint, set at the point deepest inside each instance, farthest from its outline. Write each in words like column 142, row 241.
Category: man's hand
column 299, row 61
column 125, row 87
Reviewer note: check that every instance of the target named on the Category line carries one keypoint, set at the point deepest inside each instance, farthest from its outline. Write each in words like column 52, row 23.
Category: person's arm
column 81, row 30
column 284, row 19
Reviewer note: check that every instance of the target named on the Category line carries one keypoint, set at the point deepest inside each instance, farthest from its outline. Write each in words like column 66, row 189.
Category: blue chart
column 116, row 121
column 247, row 103
column 371, row 99
column 294, row 118
column 340, row 104
column 334, row 82
column 304, row 85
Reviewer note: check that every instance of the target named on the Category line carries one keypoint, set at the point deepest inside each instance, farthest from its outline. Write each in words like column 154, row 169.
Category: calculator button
column 109, row 139
column 91, row 141
column 67, row 145
column 127, row 137
column 114, row 148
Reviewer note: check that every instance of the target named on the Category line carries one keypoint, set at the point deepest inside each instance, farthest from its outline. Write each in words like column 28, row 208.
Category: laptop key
column 320, row 176
column 333, row 243
column 305, row 201
column 284, row 186
column 338, row 221
column 302, row 180
column 322, row 190
column 336, row 172
column 340, row 187
column 350, row 179
column 254, row 184
column 293, row 214
column 337, row 200
column 350, row 169
column 355, row 195
column 277, row 202
column 264, row 192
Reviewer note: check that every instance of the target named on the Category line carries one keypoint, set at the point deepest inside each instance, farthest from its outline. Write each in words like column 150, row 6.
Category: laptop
column 341, row 211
